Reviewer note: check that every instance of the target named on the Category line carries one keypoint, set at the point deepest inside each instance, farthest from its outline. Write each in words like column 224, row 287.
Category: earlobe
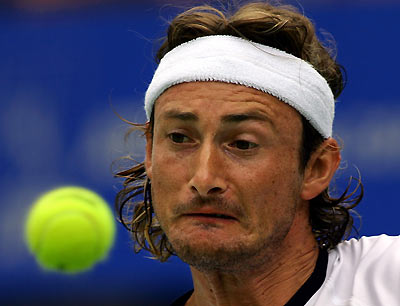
column 149, row 147
column 320, row 169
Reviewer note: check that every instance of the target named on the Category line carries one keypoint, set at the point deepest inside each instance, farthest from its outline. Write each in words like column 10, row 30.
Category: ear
column 320, row 169
column 149, row 150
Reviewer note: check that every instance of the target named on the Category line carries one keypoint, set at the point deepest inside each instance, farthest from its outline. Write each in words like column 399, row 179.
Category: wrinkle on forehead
column 233, row 92
column 226, row 92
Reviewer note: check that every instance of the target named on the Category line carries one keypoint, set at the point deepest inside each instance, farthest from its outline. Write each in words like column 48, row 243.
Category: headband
column 235, row 60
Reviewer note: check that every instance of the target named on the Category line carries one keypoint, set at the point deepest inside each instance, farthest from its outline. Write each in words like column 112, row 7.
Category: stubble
column 233, row 255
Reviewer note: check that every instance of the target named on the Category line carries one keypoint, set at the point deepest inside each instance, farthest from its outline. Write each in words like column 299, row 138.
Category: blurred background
column 63, row 61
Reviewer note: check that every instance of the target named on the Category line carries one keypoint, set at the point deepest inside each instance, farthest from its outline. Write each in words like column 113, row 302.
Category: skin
column 229, row 192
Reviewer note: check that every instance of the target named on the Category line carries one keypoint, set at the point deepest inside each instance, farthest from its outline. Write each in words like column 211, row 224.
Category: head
column 223, row 178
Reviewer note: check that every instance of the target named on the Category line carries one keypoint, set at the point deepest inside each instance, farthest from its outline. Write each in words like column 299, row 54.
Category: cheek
column 168, row 175
column 273, row 185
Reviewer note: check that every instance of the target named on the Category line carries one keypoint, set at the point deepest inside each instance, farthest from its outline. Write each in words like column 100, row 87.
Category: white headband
column 235, row 60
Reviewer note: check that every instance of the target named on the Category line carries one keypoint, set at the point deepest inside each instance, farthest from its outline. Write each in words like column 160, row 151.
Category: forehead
column 214, row 99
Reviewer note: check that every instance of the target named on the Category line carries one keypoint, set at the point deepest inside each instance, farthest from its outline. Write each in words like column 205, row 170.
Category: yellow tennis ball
column 69, row 229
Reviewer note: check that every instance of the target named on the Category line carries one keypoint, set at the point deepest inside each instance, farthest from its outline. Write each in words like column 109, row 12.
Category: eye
column 178, row 138
column 244, row 145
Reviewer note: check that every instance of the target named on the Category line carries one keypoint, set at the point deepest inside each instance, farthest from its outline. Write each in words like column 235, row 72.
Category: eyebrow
column 247, row 116
column 226, row 119
column 183, row 116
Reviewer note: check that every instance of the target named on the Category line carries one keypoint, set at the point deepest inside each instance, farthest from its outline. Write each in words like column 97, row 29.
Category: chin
column 210, row 256
column 212, row 250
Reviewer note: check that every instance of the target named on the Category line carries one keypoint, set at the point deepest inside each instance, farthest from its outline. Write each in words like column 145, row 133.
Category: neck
column 272, row 283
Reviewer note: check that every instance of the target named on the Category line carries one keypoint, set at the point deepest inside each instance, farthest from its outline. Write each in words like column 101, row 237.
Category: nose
column 208, row 172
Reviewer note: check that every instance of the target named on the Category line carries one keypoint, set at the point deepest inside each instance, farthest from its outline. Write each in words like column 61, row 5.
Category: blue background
column 59, row 70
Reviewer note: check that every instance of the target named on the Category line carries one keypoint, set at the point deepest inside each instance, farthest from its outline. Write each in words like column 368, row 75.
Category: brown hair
column 281, row 27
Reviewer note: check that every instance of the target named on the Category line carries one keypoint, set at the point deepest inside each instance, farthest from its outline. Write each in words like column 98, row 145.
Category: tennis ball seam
column 53, row 219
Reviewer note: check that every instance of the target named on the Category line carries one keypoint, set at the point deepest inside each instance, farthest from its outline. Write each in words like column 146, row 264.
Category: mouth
column 210, row 216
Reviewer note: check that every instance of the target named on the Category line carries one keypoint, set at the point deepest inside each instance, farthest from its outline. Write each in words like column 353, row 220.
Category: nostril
column 207, row 185
column 210, row 191
column 215, row 190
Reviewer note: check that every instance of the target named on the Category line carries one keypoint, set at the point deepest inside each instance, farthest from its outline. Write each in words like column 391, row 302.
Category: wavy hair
column 282, row 27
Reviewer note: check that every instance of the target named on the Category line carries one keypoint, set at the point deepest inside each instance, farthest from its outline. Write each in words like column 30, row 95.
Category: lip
column 210, row 214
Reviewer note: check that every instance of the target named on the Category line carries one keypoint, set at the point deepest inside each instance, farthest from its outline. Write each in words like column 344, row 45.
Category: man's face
column 224, row 165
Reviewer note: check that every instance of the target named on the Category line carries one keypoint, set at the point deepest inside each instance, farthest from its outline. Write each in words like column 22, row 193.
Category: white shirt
column 364, row 272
